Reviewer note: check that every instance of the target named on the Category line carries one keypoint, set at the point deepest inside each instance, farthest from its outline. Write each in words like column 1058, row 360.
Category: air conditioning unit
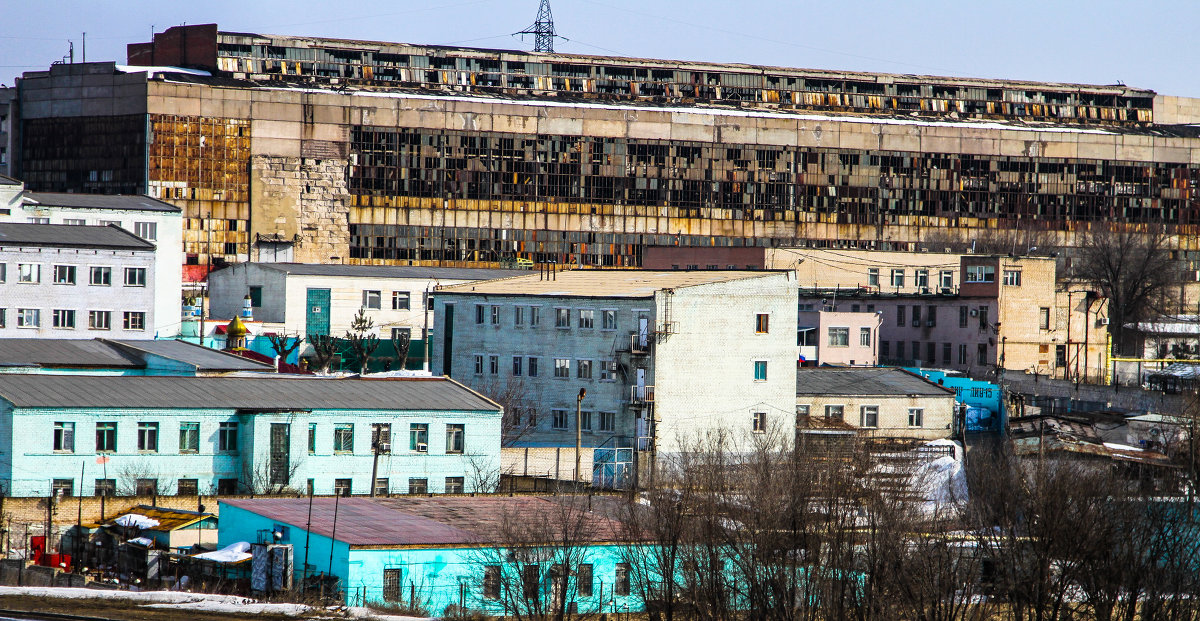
column 924, row 290
column 384, row 447
column 1103, row 321
column 946, row 291
column 422, row 447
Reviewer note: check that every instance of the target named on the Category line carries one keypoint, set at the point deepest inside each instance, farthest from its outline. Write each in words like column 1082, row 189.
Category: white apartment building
column 76, row 282
column 153, row 220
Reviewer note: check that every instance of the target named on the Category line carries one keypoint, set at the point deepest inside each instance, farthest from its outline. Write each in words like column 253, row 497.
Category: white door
column 641, row 383
column 643, row 330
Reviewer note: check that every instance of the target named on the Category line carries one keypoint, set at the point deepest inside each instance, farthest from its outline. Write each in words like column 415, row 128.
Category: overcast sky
column 1149, row 43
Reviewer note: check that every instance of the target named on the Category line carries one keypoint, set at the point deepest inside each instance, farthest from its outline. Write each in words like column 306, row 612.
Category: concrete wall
column 704, row 372
column 46, row 296
column 938, row 413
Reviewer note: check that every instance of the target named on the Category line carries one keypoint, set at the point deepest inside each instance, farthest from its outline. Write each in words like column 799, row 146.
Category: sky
column 1148, row 44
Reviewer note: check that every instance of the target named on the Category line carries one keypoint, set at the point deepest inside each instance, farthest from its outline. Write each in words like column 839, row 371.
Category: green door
column 316, row 320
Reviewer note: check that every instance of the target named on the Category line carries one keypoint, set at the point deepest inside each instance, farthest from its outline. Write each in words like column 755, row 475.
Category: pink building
column 839, row 338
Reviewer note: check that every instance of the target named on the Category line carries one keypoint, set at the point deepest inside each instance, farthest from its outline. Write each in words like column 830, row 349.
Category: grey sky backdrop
column 1148, row 43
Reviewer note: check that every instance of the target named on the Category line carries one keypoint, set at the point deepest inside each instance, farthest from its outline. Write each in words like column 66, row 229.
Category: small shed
column 172, row 529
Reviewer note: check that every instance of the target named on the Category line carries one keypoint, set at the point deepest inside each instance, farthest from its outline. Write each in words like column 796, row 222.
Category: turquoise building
column 984, row 401
column 146, row 435
column 438, row 553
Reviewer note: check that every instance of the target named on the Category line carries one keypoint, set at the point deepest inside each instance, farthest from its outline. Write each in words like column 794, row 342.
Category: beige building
column 879, row 402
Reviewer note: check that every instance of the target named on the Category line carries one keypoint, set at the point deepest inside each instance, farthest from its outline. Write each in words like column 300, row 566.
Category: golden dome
column 236, row 329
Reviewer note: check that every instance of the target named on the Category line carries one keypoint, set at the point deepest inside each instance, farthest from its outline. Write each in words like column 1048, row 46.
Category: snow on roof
column 232, row 553
column 136, row 520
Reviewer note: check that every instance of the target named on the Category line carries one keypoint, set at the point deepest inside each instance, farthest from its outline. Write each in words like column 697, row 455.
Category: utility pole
column 579, row 429
column 376, row 440
column 542, row 29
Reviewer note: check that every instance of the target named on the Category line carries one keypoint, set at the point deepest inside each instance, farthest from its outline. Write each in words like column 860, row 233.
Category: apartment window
column 532, row 366
column 532, row 416
column 312, row 438
column 418, row 437
column 900, row 349
column 802, row 413
column 835, row 412
column 148, row 437
column 885, row 349
column 3, row 272
column 187, row 487
column 494, row 364
column 583, row 369
column 916, row 349
column 761, row 323
column 868, row 416
column 227, row 486
column 391, row 586
column 63, row 319
column 343, row 487
column 897, row 278
column 64, row 437
column 760, row 370
column 1044, row 318
column 401, row 333
column 562, row 318
column 479, row 313
column 381, row 487
column 227, row 437
column 42, row 220
column 495, row 315
column 478, row 364
column 558, row 419
column 1012, row 278
column 916, row 417
column 401, row 300
column 62, row 487
column 29, row 272
column 146, row 487
column 132, row 280
column 1060, row 356
column 562, row 367
column 105, row 487
column 759, row 424
column 930, row 352
column 518, row 316
column 923, row 279
column 454, row 438
column 491, row 582
column 981, row 354
column 189, row 437
column 418, row 486
column 873, row 276
column 585, row 421
column 962, row 353
column 381, row 438
column 621, row 579
column 916, row 316
column 608, row 421
column 64, row 274
column 900, row 315
column 99, row 320
column 947, row 279
column 587, row 318
column 946, row 353
column 839, row 337
column 608, row 320
column 100, row 276
column 931, row 316
column 343, row 438
column 583, row 580
column 106, row 437
column 134, row 320
column 981, row 273
column 983, row 317
column 608, row 370
column 963, row 313
column 864, row 337
column 535, row 316
column 372, row 300
column 146, row 230
column 516, row 367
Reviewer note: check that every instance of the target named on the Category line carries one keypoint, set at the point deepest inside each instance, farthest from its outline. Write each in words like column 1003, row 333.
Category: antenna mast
column 542, row 29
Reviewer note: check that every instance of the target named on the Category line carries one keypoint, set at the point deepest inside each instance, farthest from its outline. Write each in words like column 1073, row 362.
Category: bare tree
column 260, row 478
column 283, row 345
column 361, row 339
column 401, row 340
column 1133, row 269
column 140, row 478
column 325, row 349
column 520, row 417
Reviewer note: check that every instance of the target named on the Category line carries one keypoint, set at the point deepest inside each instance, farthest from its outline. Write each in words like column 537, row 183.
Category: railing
column 641, row 395
column 639, row 345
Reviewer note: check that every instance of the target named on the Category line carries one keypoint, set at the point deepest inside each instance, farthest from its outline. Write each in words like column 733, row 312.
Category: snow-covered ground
column 205, row 602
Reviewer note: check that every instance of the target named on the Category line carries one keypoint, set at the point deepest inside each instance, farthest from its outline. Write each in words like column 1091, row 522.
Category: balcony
column 639, row 344
column 641, row 395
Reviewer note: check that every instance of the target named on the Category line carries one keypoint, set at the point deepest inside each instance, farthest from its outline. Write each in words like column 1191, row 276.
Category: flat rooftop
column 118, row 202
column 425, row 520
column 865, row 381
column 391, row 271
column 604, row 283
column 70, row 236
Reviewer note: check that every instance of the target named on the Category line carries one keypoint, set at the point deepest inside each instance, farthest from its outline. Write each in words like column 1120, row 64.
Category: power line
column 542, row 29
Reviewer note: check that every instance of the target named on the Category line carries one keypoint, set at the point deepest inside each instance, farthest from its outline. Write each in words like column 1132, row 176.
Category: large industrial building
column 367, row 152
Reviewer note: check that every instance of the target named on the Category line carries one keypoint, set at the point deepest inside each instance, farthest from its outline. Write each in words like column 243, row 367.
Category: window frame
column 758, row 422
column 134, row 321
column 418, row 434
column 147, row 437
column 760, row 370
column 401, row 300
column 136, row 277
column 343, row 438
column 189, row 437
column 64, row 437
column 838, row 336
column 63, row 318
column 868, row 413
column 227, row 437
column 99, row 320
column 99, row 275
column 59, row 270
column 916, row 417
column 106, row 436
column 456, row 441
column 372, row 299
column 762, row 323
column 835, row 411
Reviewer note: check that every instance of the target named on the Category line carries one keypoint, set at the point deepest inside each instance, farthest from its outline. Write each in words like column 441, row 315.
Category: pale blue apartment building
column 76, row 434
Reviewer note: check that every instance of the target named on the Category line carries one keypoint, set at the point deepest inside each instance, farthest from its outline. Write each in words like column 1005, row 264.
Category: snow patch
column 136, row 520
column 231, row 553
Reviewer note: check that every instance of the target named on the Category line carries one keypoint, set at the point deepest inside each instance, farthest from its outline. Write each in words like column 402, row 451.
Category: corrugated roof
column 269, row 392
column 30, row 352
column 168, row 519
column 132, row 202
column 203, row 358
column 419, row 520
column 603, row 283
column 392, row 271
column 865, row 381
column 70, row 236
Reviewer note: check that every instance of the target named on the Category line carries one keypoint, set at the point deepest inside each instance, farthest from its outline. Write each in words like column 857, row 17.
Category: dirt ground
column 117, row 609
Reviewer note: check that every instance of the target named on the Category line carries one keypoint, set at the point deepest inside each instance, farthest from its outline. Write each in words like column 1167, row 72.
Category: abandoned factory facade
column 362, row 152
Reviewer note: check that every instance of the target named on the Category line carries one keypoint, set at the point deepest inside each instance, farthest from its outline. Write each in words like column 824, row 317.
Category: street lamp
column 579, row 429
